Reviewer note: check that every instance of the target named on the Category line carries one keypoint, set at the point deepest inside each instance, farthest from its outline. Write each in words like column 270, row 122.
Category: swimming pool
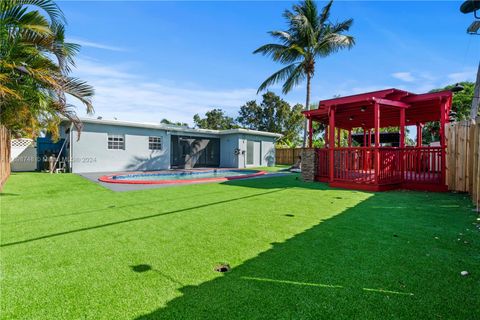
column 184, row 176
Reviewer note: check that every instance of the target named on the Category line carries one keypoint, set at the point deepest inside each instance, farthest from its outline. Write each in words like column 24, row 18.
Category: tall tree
column 273, row 115
column 462, row 100
column 461, row 107
column 214, row 119
column 35, row 62
column 310, row 35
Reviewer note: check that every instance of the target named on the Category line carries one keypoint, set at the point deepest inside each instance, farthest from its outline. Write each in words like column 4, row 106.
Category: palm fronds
column 35, row 62
column 310, row 35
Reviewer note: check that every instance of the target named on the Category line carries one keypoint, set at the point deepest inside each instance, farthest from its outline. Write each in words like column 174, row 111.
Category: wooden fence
column 4, row 155
column 463, row 158
column 287, row 155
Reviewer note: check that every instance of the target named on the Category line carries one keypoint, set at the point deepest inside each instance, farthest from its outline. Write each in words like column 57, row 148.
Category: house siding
column 267, row 149
column 91, row 154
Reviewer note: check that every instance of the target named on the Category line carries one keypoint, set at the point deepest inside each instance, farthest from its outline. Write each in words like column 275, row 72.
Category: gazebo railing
column 395, row 165
column 390, row 165
column 423, row 165
column 322, row 163
column 354, row 165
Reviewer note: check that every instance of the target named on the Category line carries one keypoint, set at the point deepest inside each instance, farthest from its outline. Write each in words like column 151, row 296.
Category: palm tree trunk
column 307, row 107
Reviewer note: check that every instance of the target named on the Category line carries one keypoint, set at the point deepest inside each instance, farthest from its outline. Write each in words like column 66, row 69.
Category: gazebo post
column 402, row 142
column 402, row 128
column 331, row 139
column 443, row 121
column 364, row 152
column 376, row 120
column 369, row 138
column 350, row 138
column 419, row 134
column 326, row 136
column 310, row 132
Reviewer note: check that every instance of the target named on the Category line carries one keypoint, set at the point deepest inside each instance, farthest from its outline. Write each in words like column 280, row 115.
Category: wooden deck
column 358, row 168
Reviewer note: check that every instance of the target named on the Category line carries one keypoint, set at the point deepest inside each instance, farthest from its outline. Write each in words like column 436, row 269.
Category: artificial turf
column 71, row 249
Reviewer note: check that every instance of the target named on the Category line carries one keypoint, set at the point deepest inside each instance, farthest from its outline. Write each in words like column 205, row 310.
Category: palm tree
column 35, row 62
column 310, row 36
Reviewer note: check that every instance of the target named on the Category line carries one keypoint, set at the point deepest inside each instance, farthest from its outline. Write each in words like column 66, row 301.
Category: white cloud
column 92, row 69
column 96, row 45
column 404, row 76
column 467, row 75
column 126, row 96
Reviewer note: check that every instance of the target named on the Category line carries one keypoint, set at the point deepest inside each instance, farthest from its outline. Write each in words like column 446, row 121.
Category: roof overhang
column 356, row 111
column 178, row 129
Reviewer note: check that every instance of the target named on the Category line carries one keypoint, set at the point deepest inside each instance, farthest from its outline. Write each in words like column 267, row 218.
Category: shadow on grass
column 275, row 181
column 100, row 210
column 272, row 182
column 141, row 268
column 189, row 209
column 6, row 194
column 366, row 263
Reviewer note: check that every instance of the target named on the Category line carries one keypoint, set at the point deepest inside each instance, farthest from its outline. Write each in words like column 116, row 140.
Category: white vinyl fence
column 23, row 156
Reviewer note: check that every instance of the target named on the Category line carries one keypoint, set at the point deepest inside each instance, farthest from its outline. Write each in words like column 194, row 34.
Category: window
column 155, row 143
column 116, row 142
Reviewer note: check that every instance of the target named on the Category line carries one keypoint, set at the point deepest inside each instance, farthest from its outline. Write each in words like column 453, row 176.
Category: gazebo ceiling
column 358, row 110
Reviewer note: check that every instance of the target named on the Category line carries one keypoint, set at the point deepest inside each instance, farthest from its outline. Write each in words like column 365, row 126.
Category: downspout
column 70, row 145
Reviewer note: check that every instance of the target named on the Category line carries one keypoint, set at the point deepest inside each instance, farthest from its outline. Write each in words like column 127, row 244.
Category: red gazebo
column 372, row 166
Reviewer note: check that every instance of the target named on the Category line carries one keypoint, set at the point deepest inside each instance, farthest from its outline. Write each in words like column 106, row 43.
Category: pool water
column 181, row 176
column 185, row 175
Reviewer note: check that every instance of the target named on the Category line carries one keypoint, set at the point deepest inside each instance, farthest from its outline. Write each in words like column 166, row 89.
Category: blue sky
column 153, row 60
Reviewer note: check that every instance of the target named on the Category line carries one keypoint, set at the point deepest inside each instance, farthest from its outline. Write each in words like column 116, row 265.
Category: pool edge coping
column 109, row 179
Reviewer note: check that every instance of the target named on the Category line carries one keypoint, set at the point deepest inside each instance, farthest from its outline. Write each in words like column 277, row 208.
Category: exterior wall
column 267, row 150
column 228, row 158
column 90, row 153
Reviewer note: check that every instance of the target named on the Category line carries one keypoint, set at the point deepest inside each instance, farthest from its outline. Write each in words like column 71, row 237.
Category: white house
column 112, row 145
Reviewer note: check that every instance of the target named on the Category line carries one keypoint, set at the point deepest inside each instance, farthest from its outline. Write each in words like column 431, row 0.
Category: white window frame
column 118, row 144
column 158, row 143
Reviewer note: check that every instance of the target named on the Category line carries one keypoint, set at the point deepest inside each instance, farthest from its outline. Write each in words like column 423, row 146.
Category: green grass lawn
column 71, row 249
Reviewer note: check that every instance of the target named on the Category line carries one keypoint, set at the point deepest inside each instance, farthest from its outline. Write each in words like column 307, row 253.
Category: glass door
column 249, row 153
column 253, row 153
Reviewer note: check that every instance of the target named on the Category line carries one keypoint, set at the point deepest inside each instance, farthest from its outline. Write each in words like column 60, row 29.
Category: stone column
column 309, row 164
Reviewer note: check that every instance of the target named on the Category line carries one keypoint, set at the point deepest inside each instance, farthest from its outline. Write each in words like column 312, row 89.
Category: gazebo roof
column 356, row 111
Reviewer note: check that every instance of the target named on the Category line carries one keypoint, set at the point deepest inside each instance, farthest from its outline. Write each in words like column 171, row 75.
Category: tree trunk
column 307, row 107
column 476, row 97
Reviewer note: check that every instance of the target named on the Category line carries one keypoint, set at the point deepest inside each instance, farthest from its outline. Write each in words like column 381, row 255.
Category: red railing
column 423, row 165
column 390, row 165
column 396, row 165
column 354, row 165
column 322, row 163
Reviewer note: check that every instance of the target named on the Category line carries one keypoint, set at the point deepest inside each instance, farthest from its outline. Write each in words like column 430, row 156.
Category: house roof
column 356, row 111
column 167, row 127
